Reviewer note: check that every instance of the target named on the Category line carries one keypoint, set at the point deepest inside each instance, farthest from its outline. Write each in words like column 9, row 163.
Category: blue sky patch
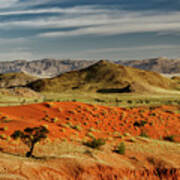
column 78, row 29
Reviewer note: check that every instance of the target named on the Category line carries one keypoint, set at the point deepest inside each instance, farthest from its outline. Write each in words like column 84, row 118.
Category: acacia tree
column 30, row 136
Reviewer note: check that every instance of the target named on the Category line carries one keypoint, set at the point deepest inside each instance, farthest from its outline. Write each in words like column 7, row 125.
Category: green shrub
column 95, row 143
column 121, row 148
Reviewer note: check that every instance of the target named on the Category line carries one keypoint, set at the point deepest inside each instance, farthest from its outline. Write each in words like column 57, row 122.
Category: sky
column 89, row 29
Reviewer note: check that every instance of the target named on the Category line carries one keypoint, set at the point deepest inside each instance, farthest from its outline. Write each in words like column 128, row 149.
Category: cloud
column 16, row 53
column 72, row 10
column 20, row 3
column 5, row 41
column 7, row 3
column 92, row 20
column 121, row 22
column 133, row 48
column 85, row 20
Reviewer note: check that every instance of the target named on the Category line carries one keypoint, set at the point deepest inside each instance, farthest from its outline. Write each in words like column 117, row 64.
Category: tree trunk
column 29, row 153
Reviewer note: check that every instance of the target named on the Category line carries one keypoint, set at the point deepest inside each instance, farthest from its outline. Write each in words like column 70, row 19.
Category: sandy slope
column 62, row 155
column 74, row 119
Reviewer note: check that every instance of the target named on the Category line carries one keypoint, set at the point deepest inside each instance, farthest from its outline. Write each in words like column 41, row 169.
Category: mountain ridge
column 161, row 65
column 53, row 67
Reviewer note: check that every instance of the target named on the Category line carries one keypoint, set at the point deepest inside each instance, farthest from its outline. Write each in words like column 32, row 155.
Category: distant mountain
column 160, row 65
column 54, row 67
column 105, row 77
column 44, row 67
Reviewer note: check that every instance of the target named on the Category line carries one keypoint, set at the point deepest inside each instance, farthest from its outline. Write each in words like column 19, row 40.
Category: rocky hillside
column 105, row 77
column 15, row 79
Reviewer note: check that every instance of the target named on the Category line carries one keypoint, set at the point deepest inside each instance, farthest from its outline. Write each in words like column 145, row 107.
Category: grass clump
column 54, row 120
column 5, row 128
column 95, row 143
column 92, row 130
column 45, row 126
column 2, row 136
column 89, row 134
column 77, row 127
column 121, row 148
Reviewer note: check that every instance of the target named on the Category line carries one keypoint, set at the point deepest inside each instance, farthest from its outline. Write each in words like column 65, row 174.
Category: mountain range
column 44, row 67
column 54, row 67
column 161, row 65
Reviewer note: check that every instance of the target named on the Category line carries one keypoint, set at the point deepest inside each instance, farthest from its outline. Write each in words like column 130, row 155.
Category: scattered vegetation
column 95, row 143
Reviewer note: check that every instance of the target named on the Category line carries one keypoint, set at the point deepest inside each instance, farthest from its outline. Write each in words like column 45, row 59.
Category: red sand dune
column 73, row 118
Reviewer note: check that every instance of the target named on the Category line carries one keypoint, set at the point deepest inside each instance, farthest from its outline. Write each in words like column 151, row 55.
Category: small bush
column 95, row 143
column 139, row 124
column 85, row 123
column 77, row 127
column 129, row 102
column 5, row 128
column 54, row 120
column 120, row 149
column 169, row 138
column 152, row 114
column 49, row 104
column 2, row 136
